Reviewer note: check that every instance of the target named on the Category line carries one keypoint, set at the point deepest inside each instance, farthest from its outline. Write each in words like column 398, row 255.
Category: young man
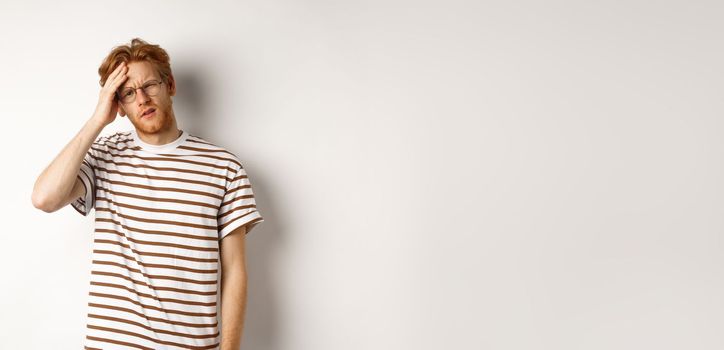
column 168, row 207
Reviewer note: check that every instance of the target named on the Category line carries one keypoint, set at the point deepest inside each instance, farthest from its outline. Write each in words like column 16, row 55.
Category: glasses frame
column 143, row 87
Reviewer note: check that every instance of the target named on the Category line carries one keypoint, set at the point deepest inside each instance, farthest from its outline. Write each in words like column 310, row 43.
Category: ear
column 171, row 85
column 121, row 111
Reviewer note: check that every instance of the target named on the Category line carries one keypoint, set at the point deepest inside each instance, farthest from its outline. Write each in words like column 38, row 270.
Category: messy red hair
column 137, row 50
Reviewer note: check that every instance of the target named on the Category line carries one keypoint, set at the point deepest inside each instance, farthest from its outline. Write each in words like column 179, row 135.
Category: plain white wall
column 432, row 174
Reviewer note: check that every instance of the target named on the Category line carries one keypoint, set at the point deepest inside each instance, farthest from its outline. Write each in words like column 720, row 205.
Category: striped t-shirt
column 161, row 211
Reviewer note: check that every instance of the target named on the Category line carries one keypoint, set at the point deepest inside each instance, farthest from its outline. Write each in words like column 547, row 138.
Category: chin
column 158, row 124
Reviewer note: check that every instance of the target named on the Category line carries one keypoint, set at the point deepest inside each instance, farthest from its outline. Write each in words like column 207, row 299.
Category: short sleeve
column 84, row 204
column 238, row 207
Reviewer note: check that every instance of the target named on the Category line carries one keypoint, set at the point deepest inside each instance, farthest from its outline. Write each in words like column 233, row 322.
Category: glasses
column 150, row 88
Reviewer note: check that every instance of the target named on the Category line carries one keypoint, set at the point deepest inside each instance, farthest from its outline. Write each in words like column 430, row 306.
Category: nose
column 141, row 97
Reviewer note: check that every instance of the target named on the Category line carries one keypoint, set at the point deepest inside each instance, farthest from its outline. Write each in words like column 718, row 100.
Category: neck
column 161, row 137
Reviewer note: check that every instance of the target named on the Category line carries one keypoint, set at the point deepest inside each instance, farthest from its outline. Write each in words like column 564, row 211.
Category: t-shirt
column 160, row 212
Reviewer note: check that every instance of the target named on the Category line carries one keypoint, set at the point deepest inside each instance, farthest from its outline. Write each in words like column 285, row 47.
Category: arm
column 58, row 184
column 233, row 288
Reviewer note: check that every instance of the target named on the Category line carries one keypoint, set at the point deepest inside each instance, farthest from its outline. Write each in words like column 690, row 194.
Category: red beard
column 159, row 122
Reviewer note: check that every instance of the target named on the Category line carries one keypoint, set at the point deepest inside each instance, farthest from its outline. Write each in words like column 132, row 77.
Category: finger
column 115, row 85
column 119, row 78
column 116, row 70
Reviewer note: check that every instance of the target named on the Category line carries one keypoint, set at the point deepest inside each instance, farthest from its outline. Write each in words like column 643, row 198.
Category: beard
column 159, row 123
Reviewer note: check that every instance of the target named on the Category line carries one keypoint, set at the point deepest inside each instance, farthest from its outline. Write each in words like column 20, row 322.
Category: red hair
column 138, row 50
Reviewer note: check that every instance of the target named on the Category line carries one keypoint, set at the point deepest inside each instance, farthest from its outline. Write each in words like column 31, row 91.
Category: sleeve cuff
column 84, row 204
column 252, row 218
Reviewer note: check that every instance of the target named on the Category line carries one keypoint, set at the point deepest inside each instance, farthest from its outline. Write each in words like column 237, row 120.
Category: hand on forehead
column 140, row 73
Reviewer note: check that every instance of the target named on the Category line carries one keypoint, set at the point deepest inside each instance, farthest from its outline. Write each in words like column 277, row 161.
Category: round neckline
column 159, row 148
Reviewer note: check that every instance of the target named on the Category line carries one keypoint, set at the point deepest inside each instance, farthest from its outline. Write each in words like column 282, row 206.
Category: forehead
column 139, row 73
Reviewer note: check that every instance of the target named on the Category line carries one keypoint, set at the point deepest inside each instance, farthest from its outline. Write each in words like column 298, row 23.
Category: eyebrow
column 142, row 84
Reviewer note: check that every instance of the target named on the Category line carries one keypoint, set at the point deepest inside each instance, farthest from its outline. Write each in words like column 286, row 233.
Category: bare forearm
column 56, row 182
column 233, row 308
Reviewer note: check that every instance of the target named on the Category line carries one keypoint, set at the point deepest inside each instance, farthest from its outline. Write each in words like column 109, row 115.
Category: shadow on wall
column 262, row 317
column 191, row 99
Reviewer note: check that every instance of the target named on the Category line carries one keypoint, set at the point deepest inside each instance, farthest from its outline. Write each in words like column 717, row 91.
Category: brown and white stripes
column 160, row 214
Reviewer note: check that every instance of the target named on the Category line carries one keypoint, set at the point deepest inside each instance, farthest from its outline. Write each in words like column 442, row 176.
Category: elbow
column 43, row 203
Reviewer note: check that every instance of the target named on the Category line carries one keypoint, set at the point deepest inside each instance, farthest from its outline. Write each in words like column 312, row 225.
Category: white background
column 432, row 174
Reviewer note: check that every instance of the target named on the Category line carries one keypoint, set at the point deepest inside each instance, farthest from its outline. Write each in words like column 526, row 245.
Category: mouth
column 148, row 113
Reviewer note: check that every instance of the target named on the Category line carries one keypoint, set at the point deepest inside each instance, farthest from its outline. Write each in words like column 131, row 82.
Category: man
column 168, row 207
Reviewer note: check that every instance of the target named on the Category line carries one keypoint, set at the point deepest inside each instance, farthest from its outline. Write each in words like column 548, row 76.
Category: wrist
column 96, row 123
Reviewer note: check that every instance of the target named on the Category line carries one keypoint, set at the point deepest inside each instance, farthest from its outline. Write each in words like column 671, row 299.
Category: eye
column 128, row 93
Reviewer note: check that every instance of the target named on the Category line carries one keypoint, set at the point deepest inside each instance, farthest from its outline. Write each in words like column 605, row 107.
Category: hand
column 107, row 107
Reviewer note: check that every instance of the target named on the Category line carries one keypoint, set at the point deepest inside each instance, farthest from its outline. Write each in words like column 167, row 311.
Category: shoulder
column 107, row 145
column 115, row 140
column 198, row 144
